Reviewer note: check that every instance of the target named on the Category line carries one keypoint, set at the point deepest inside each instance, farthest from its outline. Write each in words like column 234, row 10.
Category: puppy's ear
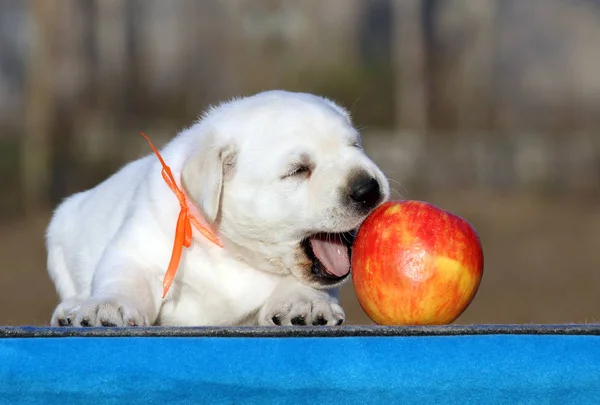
column 203, row 175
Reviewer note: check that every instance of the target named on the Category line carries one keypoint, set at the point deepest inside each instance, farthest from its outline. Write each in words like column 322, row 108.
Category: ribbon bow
column 183, row 231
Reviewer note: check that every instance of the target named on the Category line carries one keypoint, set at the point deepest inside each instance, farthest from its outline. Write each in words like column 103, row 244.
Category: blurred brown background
column 487, row 108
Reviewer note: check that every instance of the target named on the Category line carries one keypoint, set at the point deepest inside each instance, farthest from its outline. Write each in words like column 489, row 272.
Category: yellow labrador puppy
column 282, row 180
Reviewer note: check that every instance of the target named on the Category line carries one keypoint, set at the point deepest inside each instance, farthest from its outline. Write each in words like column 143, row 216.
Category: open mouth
column 330, row 254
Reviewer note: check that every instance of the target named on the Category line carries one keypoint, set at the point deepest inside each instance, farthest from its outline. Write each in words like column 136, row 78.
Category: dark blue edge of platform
column 302, row 331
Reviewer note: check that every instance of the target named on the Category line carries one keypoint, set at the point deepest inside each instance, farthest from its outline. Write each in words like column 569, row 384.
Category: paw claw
column 299, row 320
column 65, row 322
column 64, row 314
column 320, row 320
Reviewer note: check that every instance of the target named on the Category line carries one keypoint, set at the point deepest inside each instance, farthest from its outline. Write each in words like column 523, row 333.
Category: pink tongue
column 332, row 252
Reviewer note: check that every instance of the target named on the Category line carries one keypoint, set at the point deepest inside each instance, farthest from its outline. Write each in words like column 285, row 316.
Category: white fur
column 108, row 247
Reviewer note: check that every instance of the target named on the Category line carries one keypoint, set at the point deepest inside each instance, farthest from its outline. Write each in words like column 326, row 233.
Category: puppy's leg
column 293, row 303
column 123, row 294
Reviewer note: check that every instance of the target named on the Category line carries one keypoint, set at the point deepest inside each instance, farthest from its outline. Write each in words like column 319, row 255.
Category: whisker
column 397, row 193
column 354, row 105
column 400, row 194
column 391, row 180
column 362, row 128
column 345, row 238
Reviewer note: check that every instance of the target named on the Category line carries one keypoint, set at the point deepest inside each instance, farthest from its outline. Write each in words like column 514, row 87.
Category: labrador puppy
column 279, row 176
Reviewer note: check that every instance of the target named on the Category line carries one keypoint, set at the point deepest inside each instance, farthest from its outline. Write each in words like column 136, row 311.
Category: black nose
column 365, row 191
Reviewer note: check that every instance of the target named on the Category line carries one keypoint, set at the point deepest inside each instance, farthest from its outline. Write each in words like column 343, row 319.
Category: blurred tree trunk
column 74, row 97
column 409, row 59
column 439, row 50
column 133, row 59
column 40, row 107
column 476, row 66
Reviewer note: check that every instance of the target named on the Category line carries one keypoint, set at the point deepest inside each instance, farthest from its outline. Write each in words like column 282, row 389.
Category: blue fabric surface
column 486, row 369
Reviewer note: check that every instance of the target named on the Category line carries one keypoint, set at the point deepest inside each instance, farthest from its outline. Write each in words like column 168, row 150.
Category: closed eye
column 299, row 171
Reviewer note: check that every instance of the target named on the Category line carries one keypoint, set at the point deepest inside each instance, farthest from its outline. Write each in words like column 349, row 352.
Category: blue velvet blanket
column 340, row 365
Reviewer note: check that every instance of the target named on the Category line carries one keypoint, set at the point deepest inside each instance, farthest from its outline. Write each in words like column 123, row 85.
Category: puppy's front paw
column 312, row 308
column 109, row 312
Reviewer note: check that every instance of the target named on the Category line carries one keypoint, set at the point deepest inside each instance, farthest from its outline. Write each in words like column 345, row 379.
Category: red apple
column 415, row 264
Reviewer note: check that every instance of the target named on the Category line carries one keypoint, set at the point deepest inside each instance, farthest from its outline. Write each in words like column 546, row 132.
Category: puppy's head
column 284, row 178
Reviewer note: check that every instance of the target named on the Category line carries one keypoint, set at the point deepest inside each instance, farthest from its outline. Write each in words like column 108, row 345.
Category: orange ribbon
column 183, row 231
